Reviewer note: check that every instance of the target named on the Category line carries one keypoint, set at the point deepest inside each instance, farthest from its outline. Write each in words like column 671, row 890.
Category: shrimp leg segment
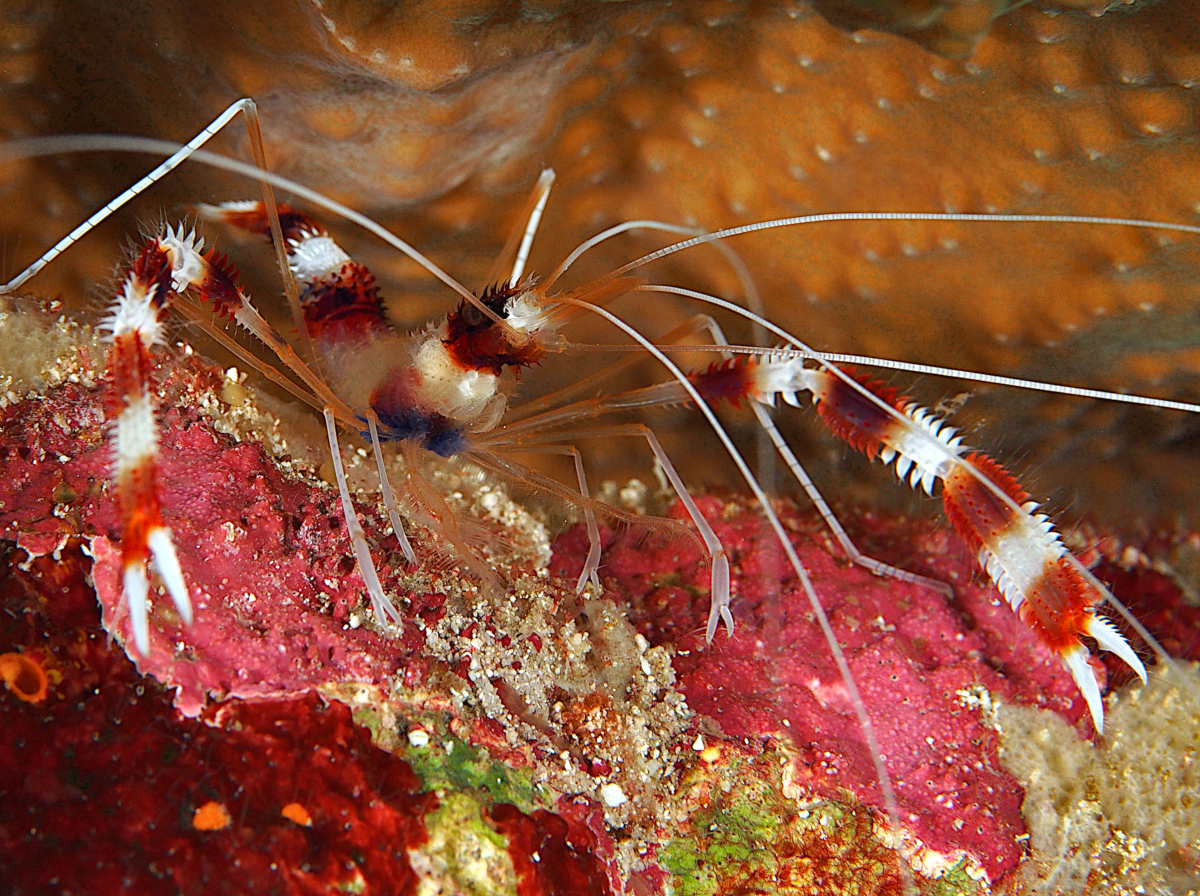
column 169, row 265
column 385, row 487
column 672, row 394
column 877, row 567
column 591, row 565
column 380, row 604
column 718, row 559
column 1016, row 545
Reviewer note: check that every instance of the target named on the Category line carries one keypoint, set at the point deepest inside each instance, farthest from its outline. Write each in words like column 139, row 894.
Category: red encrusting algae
column 257, row 528
column 110, row 763
column 919, row 661
column 546, row 857
column 107, row 789
column 1119, row 78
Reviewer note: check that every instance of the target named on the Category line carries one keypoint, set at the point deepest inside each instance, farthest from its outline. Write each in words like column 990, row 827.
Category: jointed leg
column 389, row 500
column 878, row 567
column 721, row 596
column 380, row 604
column 442, row 518
column 591, row 566
column 134, row 329
column 720, row 562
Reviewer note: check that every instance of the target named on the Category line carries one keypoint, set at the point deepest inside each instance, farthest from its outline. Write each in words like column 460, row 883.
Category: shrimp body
column 439, row 387
column 433, row 387
column 449, row 389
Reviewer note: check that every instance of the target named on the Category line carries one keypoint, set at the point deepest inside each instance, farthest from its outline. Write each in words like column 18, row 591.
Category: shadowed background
column 438, row 117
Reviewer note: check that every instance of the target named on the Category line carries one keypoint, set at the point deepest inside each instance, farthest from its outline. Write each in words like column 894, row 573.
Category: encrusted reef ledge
column 531, row 742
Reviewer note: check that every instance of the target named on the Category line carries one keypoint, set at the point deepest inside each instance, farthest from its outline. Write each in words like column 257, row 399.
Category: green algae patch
column 376, row 720
column 463, row 849
column 954, row 882
column 747, row 837
column 448, row 763
column 740, row 836
column 442, row 760
column 370, row 709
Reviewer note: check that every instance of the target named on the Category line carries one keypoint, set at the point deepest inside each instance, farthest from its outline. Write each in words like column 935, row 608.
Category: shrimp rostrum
column 446, row 390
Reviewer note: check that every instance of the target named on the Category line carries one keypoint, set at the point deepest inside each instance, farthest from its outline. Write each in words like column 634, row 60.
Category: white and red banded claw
column 1015, row 544
column 134, row 328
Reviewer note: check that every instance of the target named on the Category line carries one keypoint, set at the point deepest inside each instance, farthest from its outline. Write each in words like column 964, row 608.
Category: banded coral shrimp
column 1062, row 135
column 695, row 397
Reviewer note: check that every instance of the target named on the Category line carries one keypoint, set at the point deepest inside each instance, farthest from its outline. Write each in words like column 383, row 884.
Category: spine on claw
column 1015, row 544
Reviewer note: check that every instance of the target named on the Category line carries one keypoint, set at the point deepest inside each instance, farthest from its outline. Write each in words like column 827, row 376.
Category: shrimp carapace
column 433, row 387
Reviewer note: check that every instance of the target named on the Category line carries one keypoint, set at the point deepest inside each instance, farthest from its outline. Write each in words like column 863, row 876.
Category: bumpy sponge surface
column 1122, row 816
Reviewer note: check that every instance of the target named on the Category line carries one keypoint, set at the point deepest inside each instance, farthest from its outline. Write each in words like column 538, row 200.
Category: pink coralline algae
column 253, row 535
column 270, row 570
column 915, row 655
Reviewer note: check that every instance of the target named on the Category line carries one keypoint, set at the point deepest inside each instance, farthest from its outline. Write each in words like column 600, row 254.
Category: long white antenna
column 545, row 182
column 177, row 158
column 47, row 146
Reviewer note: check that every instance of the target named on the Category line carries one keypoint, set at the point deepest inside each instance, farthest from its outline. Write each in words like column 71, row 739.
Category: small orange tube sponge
column 212, row 816
column 24, row 676
column 294, row 812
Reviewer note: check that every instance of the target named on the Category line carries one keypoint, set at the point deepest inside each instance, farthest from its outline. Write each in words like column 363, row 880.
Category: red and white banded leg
column 1015, row 544
column 135, row 328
